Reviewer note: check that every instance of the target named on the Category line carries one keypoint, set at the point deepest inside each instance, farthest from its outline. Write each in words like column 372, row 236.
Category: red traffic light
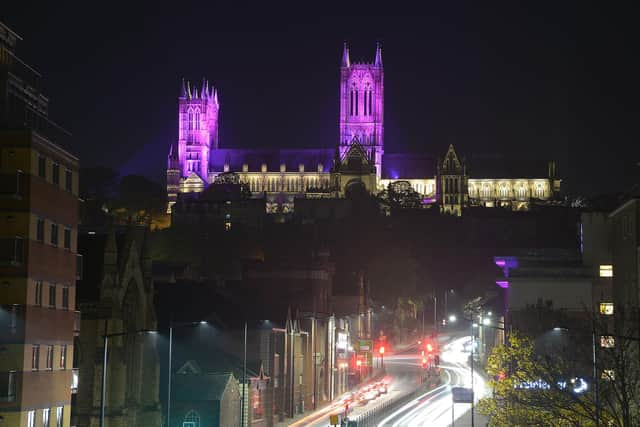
column 358, row 363
column 424, row 362
column 429, row 347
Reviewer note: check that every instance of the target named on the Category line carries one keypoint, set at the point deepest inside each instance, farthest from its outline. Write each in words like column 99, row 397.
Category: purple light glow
column 361, row 106
column 501, row 263
column 428, row 200
column 504, row 284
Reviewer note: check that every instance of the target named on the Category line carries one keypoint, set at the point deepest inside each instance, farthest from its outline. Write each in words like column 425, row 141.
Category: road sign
column 462, row 395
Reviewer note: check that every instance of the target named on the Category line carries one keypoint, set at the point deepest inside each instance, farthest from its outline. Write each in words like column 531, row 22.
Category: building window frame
column 42, row 167
column 55, row 174
column 605, row 270
column 68, row 180
column 65, row 297
column 52, row 295
column 59, row 415
column 67, row 238
column 63, row 356
column 46, row 417
column 38, row 293
column 54, row 234
column 40, row 224
column 35, row 357
column 31, row 418
column 49, row 361
column 607, row 308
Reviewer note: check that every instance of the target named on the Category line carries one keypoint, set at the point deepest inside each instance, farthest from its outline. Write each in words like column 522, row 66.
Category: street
column 432, row 408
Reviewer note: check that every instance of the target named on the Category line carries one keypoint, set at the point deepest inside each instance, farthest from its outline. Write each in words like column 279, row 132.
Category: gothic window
column 539, row 191
column 197, row 119
column 192, row 419
column 370, row 102
column 357, row 93
column 190, row 119
column 504, row 191
column 522, row 192
column 352, row 97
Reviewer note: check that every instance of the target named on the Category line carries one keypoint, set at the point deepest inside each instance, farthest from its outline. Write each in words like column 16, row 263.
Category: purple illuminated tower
column 361, row 106
column 197, row 128
column 197, row 136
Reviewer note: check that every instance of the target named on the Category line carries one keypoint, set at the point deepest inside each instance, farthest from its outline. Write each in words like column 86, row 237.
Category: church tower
column 197, row 128
column 361, row 106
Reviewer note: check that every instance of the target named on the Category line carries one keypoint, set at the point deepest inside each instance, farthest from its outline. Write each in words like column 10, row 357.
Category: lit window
column 45, row 417
column 606, row 308
column 227, row 226
column 607, row 341
column 31, row 419
column 192, row 419
column 59, row 415
column 50, row 357
column 606, row 271
column 608, row 374
column 63, row 356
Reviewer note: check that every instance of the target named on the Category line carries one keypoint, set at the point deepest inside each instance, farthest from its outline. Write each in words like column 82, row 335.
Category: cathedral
column 356, row 160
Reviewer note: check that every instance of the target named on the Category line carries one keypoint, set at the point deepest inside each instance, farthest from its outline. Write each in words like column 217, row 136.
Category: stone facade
column 117, row 297
column 280, row 176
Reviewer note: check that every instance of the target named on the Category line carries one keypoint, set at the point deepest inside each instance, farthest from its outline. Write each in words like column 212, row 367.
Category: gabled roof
column 273, row 158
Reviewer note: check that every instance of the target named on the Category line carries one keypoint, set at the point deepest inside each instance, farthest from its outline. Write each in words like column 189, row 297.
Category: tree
column 139, row 200
column 400, row 195
column 556, row 387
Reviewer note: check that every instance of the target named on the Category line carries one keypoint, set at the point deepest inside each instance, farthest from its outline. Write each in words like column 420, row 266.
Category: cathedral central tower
column 361, row 106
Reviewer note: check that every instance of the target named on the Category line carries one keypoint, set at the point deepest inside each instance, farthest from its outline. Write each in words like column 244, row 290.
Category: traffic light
column 424, row 362
column 429, row 347
column 381, row 349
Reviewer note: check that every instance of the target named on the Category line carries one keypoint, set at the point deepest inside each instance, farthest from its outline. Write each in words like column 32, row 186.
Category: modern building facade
column 38, row 256
column 357, row 159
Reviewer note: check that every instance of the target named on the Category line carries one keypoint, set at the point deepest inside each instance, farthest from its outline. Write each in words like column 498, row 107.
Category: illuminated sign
column 577, row 385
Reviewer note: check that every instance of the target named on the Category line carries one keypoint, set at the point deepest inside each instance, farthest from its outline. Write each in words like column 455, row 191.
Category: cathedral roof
column 273, row 158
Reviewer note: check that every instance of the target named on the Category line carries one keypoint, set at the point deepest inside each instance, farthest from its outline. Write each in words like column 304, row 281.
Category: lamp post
column 171, row 325
column 106, row 337
column 381, row 351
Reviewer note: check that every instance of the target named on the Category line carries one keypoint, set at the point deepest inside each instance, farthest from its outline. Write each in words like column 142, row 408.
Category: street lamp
column 381, row 351
column 453, row 318
column 171, row 325
column 106, row 337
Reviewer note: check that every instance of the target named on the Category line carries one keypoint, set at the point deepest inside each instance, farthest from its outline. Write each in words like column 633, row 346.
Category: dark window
column 351, row 109
column 52, row 295
column 63, row 356
column 370, row 102
column 356, row 103
column 39, row 292
column 50, row 357
column 56, row 174
column 40, row 230
column 65, row 298
column 19, row 183
column 42, row 167
column 12, row 250
column 35, row 357
column 68, row 180
column 78, row 267
column 67, row 238
column 54, row 234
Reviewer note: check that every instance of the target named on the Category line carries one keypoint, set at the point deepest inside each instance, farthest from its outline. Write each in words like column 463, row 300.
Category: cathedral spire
column 203, row 93
column 215, row 96
column 345, row 56
column 188, row 89
column 183, row 90
column 378, row 62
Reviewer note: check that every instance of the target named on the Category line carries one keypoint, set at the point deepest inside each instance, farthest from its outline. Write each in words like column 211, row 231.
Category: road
column 432, row 408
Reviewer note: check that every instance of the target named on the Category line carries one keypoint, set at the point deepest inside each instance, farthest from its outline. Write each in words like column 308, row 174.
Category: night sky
column 521, row 83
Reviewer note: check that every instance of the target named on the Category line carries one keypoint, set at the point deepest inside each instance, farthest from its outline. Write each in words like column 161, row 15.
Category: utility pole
column 244, row 378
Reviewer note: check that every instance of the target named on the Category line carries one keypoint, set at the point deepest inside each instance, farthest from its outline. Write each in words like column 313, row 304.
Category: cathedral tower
column 361, row 106
column 197, row 128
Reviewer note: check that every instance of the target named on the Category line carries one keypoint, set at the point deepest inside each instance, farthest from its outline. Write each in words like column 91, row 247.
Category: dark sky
column 525, row 84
